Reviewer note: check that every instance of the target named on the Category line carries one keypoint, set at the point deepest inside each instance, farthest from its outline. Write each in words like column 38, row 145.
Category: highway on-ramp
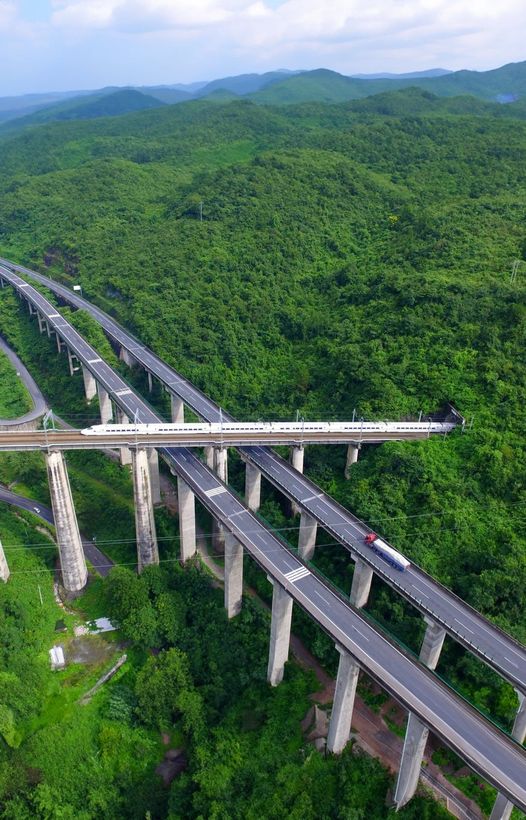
column 484, row 747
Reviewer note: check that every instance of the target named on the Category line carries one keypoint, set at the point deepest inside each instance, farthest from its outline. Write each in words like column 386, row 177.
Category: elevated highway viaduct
column 485, row 634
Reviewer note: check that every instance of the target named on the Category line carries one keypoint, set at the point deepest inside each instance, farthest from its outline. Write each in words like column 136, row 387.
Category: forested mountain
column 320, row 259
column 503, row 84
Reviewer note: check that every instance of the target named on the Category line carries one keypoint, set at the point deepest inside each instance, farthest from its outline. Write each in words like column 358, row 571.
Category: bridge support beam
column 41, row 322
column 297, row 457
column 126, row 357
column 153, row 461
column 90, row 384
column 186, row 510
column 252, row 487
column 4, row 569
column 414, row 746
column 209, row 457
column 307, row 536
column 71, row 356
column 279, row 633
column 72, row 560
column 416, row 733
column 177, row 405
column 60, row 343
column 353, row 451
column 106, row 410
column 361, row 583
column 343, row 704
column 502, row 807
column 145, row 533
column 221, row 468
column 124, row 452
column 233, row 575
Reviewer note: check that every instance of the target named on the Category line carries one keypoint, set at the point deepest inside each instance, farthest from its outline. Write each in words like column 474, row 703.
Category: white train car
column 394, row 558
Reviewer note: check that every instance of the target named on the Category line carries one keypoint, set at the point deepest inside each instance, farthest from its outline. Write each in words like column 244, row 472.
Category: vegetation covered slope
column 343, row 260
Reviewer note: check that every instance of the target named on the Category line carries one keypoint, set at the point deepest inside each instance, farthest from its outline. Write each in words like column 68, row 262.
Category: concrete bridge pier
column 72, row 560
column 150, row 381
column 307, row 536
column 361, row 583
column 297, row 457
column 153, row 462
column 221, row 469
column 106, row 409
column 124, row 452
column 186, row 510
column 416, row 733
column 4, row 569
column 502, row 807
column 233, row 575
column 146, row 536
column 60, row 345
column 177, row 405
column 90, row 384
column 343, row 704
column 41, row 322
column 252, row 487
column 209, row 457
column 279, row 633
column 353, row 451
column 71, row 358
column 126, row 357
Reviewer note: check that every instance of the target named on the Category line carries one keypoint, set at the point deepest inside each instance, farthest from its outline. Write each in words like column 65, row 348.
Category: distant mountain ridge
column 503, row 85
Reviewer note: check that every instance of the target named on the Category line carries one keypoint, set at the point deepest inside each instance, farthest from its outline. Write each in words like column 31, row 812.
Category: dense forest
column 312, row 259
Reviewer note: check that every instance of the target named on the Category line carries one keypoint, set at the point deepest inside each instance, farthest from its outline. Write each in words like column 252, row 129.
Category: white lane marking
column 123, row 392
column 510, row 661
column 23, row 285
column 94, row 361
column 463, row 625
column 323, row 598
column 215, row 491
column 422, row 594
column 53, row 315
column 296, row 574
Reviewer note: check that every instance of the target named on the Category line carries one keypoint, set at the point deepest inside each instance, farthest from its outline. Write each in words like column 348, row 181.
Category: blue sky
column 81, row 44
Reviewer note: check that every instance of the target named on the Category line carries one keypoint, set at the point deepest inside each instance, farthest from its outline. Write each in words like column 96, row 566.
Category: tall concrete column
column 72, row 560
column 307, row 536
column 106, row 410
column 124, row 452
column 233, row 575
column 252, row 487
column 145, row 533
column 279, row 633
column 361, row 583
column 502, row 807
column 297, row 456
column 343, row 704
column 221, row 463
column 414, row 746
column 150, row 382
column 126, row 357
column 71, row 356
column 61, row 344
column 41, row 323
column 153, row 461
column 353, row 451
column 209, row 457
column 177, row 406
column 416, row 733
column 4, row 569
column 90, row 385
column 221, row 468
column 186, row 510
column 432, row 643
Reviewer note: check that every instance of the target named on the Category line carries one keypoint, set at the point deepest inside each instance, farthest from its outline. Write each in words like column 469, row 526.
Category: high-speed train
column 297, row 427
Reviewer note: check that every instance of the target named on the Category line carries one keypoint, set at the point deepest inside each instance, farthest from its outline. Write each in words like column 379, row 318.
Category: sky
column 59, row 45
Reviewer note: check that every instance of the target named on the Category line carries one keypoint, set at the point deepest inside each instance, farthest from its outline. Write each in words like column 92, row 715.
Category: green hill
column 501, row 84
column 90, row 107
